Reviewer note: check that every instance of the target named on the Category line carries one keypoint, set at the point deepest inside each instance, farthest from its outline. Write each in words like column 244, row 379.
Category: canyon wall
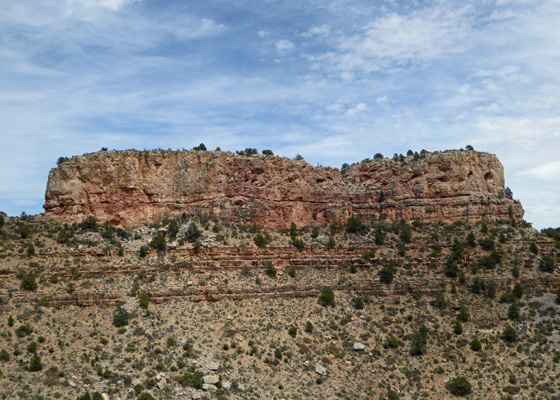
column 129, row 188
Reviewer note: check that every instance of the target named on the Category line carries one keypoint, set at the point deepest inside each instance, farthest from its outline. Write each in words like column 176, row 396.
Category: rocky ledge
column 129, row 188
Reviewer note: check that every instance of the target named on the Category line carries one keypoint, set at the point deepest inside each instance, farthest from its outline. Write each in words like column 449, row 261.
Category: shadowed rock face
column 128, row 188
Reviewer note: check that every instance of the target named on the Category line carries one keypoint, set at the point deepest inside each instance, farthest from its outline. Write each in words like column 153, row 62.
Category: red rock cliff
column 127, row 188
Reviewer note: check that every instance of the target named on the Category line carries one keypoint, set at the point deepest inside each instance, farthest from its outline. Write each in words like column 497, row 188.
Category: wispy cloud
column 284, row 45
column 333, row 81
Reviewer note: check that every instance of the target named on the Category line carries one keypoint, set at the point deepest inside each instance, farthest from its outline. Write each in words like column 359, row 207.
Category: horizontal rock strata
column 129, row 188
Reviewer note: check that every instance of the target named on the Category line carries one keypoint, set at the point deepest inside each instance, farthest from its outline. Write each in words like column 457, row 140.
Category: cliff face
column 127, row 188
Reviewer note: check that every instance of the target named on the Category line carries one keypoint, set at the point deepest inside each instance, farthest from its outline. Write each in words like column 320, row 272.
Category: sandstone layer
column 128, row 188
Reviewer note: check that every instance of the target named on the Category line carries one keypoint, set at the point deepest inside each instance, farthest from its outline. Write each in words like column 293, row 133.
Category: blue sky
column 335, row 81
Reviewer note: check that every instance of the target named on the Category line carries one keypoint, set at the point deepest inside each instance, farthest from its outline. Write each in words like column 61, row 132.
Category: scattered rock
column 209, row 388
column 162, row 384
column 320, row 369
column 323, row 239
column 213, row 366
column 211, row 379
column 359, row 347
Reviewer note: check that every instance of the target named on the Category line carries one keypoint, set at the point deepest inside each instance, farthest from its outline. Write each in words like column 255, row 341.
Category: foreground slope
column 211, row 314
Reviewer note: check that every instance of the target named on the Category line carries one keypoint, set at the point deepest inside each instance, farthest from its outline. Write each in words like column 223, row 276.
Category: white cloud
column 110, row 4
column 394, row 41
column 356, row 110
column 185, row 27
column 507, row 73
column 382, row 100
column 322, row 30
column 548, row 171
column 284, row 45
column 366, row 78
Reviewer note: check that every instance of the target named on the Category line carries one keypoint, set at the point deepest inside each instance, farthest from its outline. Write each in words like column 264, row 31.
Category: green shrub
column 460, row 386
column 463, row 314
column 32, row 347
column 533, row 248
column 517, row 290
column 513, row 310
column 509, row 334
column 315, row 232
column 192, row 379
column 173, row 228
column 148, row 396
column 392, row 395
column 24, row 231
column 35, row 364
column 291, row 271
column 457, row 328
column 90, row 224
column 471, row 239
column 358, row 303
column 30, row 249
column 270, row 270
column 23, row 330
column 200, row 147
column 193, row 233
column 292, row 331
column 298, row 244
column 487, row 244
column 379, row 236
column 120, row 317
column 293, row 230
column 354, row 225
column 4, row 355
column 144, row 301
column 451, row 268
column 278, row 354
column 547, row 264
column 308, row 327
column 260, row 240
column 326, row 298
column 85, row 396
column 419, row 341
column 143, row 251
column 28, row 282
column 159, row 242
column 62, row 237
column 386, row 274
column 391, row 342
column 476, row 345
column 406, row 233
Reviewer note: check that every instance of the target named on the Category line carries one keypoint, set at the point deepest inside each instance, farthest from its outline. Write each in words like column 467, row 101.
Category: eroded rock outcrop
column 127, row 188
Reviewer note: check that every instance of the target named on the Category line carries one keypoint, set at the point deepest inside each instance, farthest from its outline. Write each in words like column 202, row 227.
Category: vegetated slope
column 415, row 308
column 128, row 188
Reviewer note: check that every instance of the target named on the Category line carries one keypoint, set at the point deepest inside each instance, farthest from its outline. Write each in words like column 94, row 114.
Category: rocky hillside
column 199, row 308
column 128, row 188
